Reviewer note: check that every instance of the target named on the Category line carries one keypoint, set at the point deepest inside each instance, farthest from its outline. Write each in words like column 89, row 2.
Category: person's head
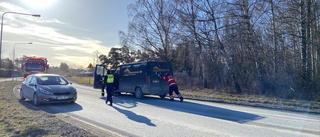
column 108, row 72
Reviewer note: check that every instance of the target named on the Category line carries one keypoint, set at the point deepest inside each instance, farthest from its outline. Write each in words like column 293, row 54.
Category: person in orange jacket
column 172, row 86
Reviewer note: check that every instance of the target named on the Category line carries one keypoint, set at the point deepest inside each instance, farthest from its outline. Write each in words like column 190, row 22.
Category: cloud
column 50, row 21
column 55, row 44
column 80, row 60
column 10, row 7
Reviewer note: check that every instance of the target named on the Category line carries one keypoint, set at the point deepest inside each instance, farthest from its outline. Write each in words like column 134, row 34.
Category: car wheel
column 22, row 96
column 163, row 96
column 139, row 93
column 35, row 99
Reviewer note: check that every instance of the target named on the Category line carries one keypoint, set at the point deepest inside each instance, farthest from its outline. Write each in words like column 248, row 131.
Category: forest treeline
column 260, row 47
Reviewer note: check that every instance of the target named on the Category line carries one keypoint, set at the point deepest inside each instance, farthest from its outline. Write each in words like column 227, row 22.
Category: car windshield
column 51, row 80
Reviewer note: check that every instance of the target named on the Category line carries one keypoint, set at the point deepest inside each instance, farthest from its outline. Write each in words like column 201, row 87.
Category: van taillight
column 148, row 80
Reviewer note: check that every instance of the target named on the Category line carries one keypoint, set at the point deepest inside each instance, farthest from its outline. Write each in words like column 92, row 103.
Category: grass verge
column 21, row 119
column 82, row 80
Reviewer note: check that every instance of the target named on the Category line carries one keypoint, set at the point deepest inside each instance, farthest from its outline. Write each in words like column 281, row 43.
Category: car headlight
column 74, row 91
column 45, row 91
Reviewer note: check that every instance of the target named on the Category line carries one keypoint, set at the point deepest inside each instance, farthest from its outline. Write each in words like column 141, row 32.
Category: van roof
column 143, row 62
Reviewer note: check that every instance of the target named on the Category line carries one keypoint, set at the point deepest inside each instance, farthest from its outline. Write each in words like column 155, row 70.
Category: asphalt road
column 153, row 116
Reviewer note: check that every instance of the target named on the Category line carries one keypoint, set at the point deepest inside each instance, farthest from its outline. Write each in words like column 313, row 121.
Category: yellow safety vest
column 102, row 80
column 110, row 78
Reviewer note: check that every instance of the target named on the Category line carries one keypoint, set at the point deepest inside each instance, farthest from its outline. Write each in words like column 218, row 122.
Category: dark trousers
column 109, row 92
column 103, row 86
column 175, row 89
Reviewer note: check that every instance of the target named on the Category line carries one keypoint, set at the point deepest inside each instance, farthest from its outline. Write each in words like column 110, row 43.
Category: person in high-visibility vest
column 110, row 86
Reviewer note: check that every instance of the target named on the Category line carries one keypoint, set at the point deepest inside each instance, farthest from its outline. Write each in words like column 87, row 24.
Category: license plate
column 62, row 97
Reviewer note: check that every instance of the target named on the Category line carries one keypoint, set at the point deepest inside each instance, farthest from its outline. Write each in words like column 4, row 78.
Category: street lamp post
column 14, row 54
column 34, row 15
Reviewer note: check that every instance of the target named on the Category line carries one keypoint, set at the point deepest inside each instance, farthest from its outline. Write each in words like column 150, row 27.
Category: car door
column 99, row 72
column 31, row 87
column 25, row 88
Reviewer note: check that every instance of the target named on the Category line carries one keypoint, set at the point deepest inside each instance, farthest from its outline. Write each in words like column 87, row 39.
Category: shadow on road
column 188, row 107
column 134, row 117
column 129, row 103
column 60, row 107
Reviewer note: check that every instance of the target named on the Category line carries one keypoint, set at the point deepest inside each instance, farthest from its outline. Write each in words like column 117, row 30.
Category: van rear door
column 157, row 85
column 99, row 72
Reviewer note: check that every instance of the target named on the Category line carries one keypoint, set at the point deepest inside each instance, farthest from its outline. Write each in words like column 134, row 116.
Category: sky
column 68, row 31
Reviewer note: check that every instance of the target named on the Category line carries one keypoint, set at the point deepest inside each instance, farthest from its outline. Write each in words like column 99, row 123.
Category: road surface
column 153, row 117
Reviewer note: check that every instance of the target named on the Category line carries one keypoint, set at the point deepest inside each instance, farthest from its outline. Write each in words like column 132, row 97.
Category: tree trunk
column 274, row 41
column 229, row 58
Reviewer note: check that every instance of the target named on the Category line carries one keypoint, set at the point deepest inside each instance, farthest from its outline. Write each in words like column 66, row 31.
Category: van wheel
column 163, row 96
column 139, row 93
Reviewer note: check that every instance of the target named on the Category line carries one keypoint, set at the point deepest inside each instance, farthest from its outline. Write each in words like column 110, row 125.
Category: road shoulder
column 21, row 118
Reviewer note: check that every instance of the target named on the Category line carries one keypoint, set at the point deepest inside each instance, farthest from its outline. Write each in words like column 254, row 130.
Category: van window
column 126, row 66
column 101, row 71
column 139, row 65
column 117, row 70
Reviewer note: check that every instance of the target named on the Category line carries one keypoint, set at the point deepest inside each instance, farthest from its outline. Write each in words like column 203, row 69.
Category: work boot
column 171, row 98
column 110, row 104
column 181, row 99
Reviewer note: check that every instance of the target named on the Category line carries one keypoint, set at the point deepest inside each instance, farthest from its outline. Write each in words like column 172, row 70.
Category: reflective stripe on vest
column 110, row 78
column 102, row 80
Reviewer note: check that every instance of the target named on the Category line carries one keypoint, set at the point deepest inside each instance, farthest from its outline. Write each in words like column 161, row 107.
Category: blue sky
column 68, row 30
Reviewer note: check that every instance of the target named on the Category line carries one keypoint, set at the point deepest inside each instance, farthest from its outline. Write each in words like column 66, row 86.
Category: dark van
column 139, row 78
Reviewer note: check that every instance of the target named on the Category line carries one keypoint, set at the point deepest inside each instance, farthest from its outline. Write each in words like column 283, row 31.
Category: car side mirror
column 32, row 84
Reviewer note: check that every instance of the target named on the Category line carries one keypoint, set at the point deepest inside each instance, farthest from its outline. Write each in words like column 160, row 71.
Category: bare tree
column 153, row 26
column 255, row 46
column 96, row 57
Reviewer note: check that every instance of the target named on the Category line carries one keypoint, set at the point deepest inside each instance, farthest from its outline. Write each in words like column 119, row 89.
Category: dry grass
column 81, row 80
column 15, row 119
column 21, row 119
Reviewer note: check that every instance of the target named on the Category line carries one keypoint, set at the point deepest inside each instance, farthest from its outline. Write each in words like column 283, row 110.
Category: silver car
column 47, row 88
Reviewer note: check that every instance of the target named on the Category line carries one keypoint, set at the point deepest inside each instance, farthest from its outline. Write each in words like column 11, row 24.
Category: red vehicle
column 33, row 65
